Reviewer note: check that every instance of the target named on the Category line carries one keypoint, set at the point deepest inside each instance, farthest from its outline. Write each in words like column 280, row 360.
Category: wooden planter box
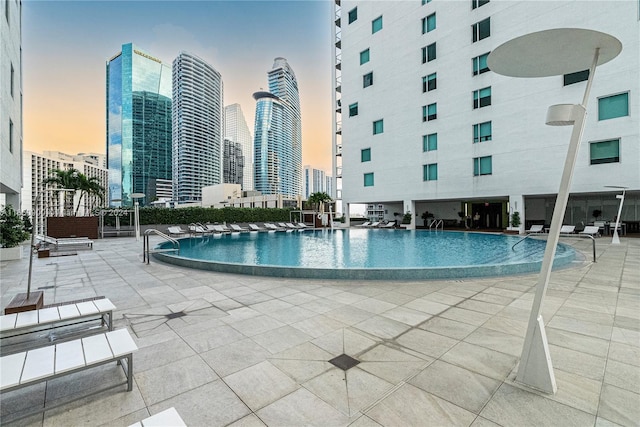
column 72, row 226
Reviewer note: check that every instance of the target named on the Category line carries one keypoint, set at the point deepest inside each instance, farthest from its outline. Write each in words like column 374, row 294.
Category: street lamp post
column 136, row 212
column 542, row 54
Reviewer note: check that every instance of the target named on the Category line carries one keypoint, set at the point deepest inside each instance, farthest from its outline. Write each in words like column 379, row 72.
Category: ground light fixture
column 616, row 238
column 548, row 53
column 136, row 212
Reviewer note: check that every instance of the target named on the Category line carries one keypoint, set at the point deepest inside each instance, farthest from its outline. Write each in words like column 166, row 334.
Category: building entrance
column 487, row 215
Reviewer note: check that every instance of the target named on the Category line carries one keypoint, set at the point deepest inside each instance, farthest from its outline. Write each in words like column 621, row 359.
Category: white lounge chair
column 535, row 229
column 390, row 224
column 254, row 227
column 176, row 231
column 236, row 227
column 364, row 224
column 197, row 229
column 273, row 227
column 591, row 230
column 567, row 229
column 215, row 228
column 373, row 224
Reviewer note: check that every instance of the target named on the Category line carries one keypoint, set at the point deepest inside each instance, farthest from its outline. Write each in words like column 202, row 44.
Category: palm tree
column 318, row 199
column 89, row 187
column 67, row 179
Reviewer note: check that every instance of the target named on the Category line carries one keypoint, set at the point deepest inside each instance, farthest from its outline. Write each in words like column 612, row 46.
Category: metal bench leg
column 130, row 372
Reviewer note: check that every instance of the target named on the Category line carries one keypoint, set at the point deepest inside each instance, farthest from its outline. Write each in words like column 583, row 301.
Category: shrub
column 11, row 228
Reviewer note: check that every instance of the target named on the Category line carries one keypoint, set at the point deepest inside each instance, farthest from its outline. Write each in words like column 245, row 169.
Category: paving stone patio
column 231, row 350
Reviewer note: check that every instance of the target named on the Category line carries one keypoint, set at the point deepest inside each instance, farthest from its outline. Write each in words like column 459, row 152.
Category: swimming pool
column 365, row 254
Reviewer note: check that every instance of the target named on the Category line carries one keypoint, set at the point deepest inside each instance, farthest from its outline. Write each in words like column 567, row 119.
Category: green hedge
column 203, row 215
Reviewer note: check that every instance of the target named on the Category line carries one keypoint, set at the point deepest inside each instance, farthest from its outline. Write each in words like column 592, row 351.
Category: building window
column 613, row 106
column 605, row 152
column 482, row 166
column 353, row 109
column 429, row 82
column 364, row 56
column 477, row 3
column 482, row 97
column 429, row 53
column 365, row 155
column 378, row 126
column 430, row 172
column 482, row 132
column 367, row 79
column 577, row 77
column 13, row 76
column 376, row 25
column 429, row 112
column 429, row 23
column 481, row 30
column 10, row 136
column 480, row 64
column 353, row 15
column 430, row 142
column 368, row 179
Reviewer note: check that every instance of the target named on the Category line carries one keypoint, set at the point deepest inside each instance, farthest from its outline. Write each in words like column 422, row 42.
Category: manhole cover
column 344, row 362
column 175, row 315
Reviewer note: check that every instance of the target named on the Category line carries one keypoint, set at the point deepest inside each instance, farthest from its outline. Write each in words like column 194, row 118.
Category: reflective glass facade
column 198, row 127
column 138, row 123
column 278, row 134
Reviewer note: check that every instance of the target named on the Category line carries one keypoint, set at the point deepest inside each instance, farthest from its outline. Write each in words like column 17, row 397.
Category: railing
column 593, row 240
column 436, row 224
column 146, row 248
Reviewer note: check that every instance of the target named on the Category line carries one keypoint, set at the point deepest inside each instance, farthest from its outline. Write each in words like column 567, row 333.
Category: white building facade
column 38, row 167
column 197, row 127
column 314, row 181
column 11, row 103
column 423, row 125
column 237, row 130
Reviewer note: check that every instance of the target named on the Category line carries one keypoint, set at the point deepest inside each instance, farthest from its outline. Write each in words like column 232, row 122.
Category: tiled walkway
column 255, row 351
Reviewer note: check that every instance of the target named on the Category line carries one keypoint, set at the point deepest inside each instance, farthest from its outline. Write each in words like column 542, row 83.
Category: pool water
column 366, row 253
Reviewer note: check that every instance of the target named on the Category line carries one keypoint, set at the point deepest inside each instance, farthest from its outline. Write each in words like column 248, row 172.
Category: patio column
column 516, row 204
column 410, row 206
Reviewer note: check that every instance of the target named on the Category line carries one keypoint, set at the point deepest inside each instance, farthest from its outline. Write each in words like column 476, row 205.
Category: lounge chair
column 273, row 227
column 197, row 229
column 215, row 228
column 373, row 224
column 176, row 231
column 591, row 230
column 364, row 224
column 535, row 229
column 389, row 224
column 62, row 242
column 254, row 227
column 302, row 226
column 236, row 227
column 567, row 229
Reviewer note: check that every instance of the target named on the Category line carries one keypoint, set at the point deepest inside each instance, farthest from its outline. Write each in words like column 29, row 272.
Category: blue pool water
column 366, row 254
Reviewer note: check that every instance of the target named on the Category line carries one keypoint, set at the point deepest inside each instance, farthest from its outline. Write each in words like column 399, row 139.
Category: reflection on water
column 365, row 249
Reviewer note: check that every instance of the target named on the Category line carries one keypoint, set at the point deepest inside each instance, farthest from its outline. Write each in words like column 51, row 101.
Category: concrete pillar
column 410, row 206
column 516, row 204
column 345, row 212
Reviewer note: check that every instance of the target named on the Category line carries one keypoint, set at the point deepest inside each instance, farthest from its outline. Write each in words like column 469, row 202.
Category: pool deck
column 255, row 351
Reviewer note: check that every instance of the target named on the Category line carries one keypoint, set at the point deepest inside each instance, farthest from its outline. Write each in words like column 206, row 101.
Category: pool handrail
column 146, row 249
column 593, row 240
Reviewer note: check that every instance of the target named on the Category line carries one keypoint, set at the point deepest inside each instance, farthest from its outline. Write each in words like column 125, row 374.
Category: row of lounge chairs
column 589, row 230
column 195, row 229
column 377, row 224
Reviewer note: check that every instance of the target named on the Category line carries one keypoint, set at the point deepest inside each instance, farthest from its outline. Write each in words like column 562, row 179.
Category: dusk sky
column 67, row 43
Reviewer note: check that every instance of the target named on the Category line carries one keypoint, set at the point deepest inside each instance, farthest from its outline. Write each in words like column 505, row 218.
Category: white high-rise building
column 314, row 181
column 423, row 125
column 11, row 103
column 236, row 130
column 38, row 167
column 197, row 127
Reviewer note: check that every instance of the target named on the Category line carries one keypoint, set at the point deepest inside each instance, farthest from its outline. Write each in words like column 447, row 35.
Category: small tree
column 596, row 213
column 406, row 219
column 12, row 231
column 515, row 219
column 426, row 216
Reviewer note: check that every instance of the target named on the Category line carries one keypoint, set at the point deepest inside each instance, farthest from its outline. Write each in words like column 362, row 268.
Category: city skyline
column 66, row 48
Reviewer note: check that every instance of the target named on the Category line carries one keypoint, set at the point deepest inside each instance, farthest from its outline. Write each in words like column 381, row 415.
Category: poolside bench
column 168, row 417
column 55, row 316
column 46, row 363
column 76, row 242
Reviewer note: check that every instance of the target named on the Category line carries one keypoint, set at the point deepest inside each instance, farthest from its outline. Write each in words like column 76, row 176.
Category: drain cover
column 175, row 315
column 344, row 362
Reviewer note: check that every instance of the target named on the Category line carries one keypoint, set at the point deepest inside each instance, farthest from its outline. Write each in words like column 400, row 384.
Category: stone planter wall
column 11, row 254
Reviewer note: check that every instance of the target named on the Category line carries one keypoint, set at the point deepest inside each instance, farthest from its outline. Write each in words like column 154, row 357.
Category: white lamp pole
column 543, row 54
column 136, row 212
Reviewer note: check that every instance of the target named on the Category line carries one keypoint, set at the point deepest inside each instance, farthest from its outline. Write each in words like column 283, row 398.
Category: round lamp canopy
column 552, row 52
column 136, row 195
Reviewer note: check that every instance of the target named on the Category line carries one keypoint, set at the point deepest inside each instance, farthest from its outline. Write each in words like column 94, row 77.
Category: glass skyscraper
column 278, row 134
column 138, row 123
column 236, row 130
column 198, row 127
